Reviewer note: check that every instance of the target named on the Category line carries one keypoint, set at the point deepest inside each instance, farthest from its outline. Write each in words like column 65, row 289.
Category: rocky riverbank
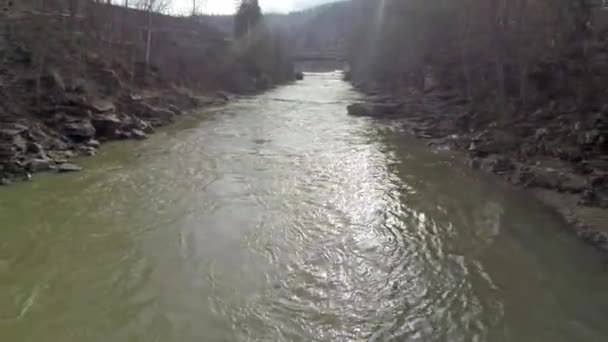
column 69, row 82
column 558, row 151
column 76, row 124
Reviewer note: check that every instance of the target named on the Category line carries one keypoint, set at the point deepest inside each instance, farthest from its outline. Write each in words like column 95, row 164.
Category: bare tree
column 151, row 7
column 195, row 8
column 154, row 6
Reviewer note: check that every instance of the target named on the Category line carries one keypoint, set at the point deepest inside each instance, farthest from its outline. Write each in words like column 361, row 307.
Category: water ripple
column 280, row 218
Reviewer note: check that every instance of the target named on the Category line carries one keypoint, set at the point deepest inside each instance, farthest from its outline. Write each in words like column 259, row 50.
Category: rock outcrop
column 76, row 124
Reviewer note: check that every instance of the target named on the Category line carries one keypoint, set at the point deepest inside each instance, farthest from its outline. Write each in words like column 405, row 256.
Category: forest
column 76, row 73
column 519, row 85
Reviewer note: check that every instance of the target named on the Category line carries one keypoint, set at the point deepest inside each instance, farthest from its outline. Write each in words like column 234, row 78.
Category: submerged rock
column 346, row 76
column 68, row 167
column 359, row 109
column 373, row 109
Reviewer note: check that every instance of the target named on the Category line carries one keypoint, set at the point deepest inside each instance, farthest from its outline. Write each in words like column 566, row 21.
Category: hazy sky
column 227, row 6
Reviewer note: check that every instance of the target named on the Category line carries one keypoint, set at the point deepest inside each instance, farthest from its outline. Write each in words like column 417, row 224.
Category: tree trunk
column 148, row 42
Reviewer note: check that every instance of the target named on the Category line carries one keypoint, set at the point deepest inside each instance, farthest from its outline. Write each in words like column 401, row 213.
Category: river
column 280, row 218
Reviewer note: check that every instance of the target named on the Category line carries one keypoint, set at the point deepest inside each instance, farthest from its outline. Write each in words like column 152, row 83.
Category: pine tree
column 247, row 17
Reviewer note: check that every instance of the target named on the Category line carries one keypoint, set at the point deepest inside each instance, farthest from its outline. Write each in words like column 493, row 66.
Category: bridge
column 319, row 57
column 323, row 54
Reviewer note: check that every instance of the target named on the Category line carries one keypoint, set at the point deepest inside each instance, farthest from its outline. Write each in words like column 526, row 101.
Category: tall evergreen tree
column 247, row 17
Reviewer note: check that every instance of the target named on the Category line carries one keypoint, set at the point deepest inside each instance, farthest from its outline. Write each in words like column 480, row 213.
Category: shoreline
column 437, row 119
column 78, row 127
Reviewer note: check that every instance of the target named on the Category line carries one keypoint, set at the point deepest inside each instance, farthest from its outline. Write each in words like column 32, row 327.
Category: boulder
column 102, row 106
column 132, row 123
column 54, row 143
column 145, row 127
column 582, row 168
column 134, row 98
column 122, row 134
column 486, row 143
column 78, row 86
column 570, row 182
column 589, row 138
column 79, row 130
column 6, row 150
column 8, row 131
column 106, row 125
column 475, row 163
column 600, row 181
column 68, row 167
column 139, row 135
column 567, row 152
column 595, row 238
column 175, row 110
column 14, row 166
column 61, row 156
column 86, row 150
column 53, row 81
column 20, row 143
column 550, row 178
column 35, row 149
column 159, row 116
column 498, row 165
column 594, row 198
column 40, row 165
column 429, row 84
column 73, row 110
column 93, row 143
column 541, row 133
column 76, row 100
column 346, row 76
column 299, row 75
column 209, row 100
column 110, row 80
column 522, row 176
